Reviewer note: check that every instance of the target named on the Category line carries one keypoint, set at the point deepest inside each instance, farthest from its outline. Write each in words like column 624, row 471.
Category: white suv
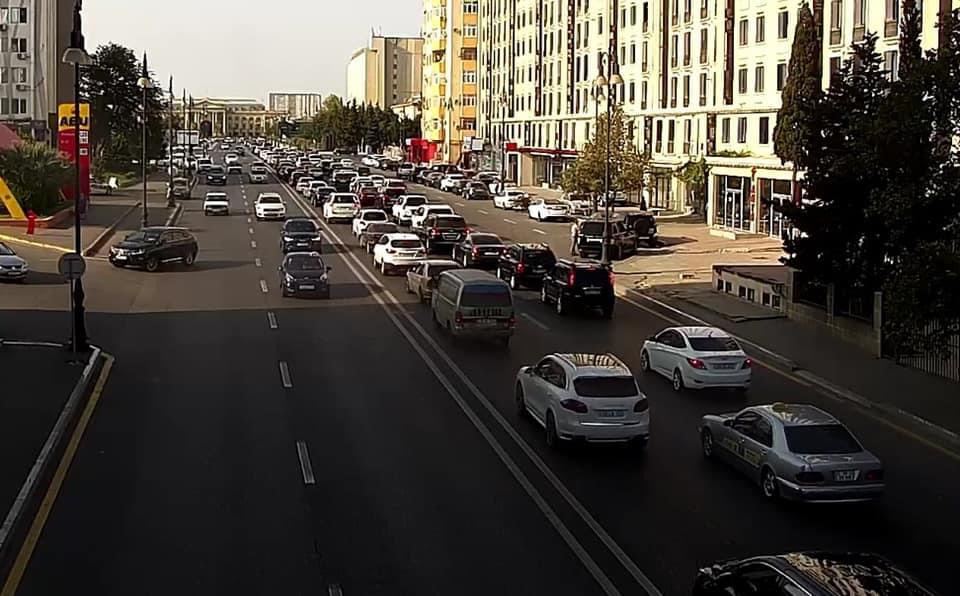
column 365, row 218
column 269, row 205
column 398, row 251
column 402, row 209
column 591, row 397
column 342, row 205
column 420, row 214
column 230, row 158
column 697, row 358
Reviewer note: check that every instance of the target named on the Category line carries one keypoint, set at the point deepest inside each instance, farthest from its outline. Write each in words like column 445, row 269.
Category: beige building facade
column 218, row 117
column 298, row 106
column 387, row 72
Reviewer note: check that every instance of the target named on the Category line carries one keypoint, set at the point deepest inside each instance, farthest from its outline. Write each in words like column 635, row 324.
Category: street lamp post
column 504, row 103
column 77, row 55
column 170, row 142
column 144, row 83
column 448, row 134
column 607, row 85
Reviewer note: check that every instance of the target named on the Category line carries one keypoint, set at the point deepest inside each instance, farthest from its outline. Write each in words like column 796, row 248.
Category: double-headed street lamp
column 504, row 103
column 144, row 83
column 607, row 85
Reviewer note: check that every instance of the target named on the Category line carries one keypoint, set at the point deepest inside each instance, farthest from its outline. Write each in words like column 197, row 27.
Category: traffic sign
column 71, row 266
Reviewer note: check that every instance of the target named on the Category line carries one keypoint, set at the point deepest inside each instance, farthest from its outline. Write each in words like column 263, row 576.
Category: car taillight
column 642, row 405
column 747, row 363
column 873, row 476
column 574, row 406
column 613, row 279
column 697, row 363
column 434, row 232
column 520, row 267
column 475, row 251
column 458, row 319
column 809, row 477
column 572, row 278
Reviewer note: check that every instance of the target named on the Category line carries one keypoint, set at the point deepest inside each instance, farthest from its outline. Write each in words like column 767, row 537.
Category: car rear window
column 820, row 439
column 486, row 295
column 592, row 228
column 343, row 199
column 592, row 276
column 381, row 228
column 405, row 243
column 452, row 222
column 300, row 226
column 375, row 216
column 538, row 256
column 606, row 386
column 714, row 344
column 414, row 201
column 485, row 239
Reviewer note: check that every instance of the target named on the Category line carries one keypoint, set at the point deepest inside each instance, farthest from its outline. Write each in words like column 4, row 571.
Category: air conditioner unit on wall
column 23, row 87
column 23, row 55
column 3, row 26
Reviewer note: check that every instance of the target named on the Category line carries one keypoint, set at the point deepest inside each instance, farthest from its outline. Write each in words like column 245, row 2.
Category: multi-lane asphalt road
column 253, row 444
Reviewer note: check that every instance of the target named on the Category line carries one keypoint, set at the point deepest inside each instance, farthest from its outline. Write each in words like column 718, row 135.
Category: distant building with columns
column 218, row 117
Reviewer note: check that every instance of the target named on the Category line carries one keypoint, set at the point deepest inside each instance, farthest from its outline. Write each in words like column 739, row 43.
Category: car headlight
column 136, row 251
column 288, row 278
column 317, row 238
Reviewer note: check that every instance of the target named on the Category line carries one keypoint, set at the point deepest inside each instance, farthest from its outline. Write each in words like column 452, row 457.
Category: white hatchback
column 342, row 205
column 697, row 358
column 216, row 203
column 398, row 251
column 367, row 217
column 583, row 396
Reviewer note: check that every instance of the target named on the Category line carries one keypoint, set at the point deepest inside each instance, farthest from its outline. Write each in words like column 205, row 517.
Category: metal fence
column 944, row 363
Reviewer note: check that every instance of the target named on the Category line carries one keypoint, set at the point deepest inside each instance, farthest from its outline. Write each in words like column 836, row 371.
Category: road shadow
column 353, row 290
column 202, row 265
column 44, row 278
column 330, row 249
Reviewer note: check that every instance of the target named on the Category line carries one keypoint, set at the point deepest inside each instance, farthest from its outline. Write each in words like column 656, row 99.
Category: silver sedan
column 12, row 267
column 794, row 451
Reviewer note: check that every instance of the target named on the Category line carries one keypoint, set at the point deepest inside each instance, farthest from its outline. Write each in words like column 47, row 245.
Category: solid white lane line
column 285, row 375
column 253, row 244
column 305, row 468
column 460, row 205
column 484, row 211
column 355, row 265
column 272, row 319
column 534, row 321
column 258, row 262
column 509, row 221
column 263, row 286
column 539, row 231
column 334, row 590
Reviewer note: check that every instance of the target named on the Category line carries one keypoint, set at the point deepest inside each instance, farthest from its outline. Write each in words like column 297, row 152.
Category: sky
column 220, row 48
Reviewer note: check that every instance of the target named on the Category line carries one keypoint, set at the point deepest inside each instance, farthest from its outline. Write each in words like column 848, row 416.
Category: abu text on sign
column 65, row 116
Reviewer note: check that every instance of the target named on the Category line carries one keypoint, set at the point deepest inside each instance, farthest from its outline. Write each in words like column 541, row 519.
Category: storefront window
column 773, row 193
column 733, row 203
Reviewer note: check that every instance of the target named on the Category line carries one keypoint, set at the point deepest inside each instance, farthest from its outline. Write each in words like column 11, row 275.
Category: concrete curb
column 16, row 240
column 941, row 434
column 26, row 499
column 107, row 233
column 175, row 215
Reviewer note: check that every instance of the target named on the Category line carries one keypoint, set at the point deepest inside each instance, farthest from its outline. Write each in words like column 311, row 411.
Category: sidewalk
column 107, row 215
column 833, row 365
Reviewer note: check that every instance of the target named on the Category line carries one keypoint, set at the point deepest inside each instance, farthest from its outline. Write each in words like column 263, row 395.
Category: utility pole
column 170, row 142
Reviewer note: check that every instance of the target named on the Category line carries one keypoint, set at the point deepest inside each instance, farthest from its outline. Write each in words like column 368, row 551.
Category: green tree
column 627, row 165
column 694, row 174
column 801, row 92
column 35, row 173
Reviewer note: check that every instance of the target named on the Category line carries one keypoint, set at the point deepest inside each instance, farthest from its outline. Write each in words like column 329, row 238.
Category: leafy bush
column 35, row 174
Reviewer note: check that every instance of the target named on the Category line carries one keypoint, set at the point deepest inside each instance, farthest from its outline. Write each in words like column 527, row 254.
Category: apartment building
column 298, row 106
column 33, row 79
column 387, row 72
column 449, row 91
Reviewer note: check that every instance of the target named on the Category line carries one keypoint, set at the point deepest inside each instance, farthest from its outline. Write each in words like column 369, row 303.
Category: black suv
column 583, row 283
column 525, row 264
column 300, row 234
column 153, row 246
column 304, row 273
column 441, row 231
column 644, row 224
column 217, row 175
column 623, row 240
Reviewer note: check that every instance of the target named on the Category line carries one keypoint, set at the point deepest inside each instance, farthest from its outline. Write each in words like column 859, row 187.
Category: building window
column 687, row 10
column 659, row 137
column 758, row 76
column 4, row 74
column 19, row 74
column 781, row 75
column 673, row 50
column 764, row 136
column 643, row 95
column 859, row 19
column 675, row 12
column 836, row 20
column 671, row 132
column 645, row 21
column 704, row 36
column 470, row 7
column 725, row 130
column 19, row 105
column 761, row 27
column 744, row 31
column 643, row 57
column 704, row 9
column 18, row 45
column 469, row 30
column 633, row 53
column 686, row 90
column 468, row 100
column 673, row 92
column 891, row 64
column 686, row 49
column 703, row 88
column 834, row 68
column 742, row 80
column 13, row 15
column 783, row 24
column 633, row 92
column 892, row 18
column 470, row 76
column 465, row 53
column 687, row 145
column 467, row 124
column 742, row 130
column 633, row 14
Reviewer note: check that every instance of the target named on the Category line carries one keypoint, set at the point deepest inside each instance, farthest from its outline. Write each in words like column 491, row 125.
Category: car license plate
column 846, row 475
column 486, row 322
column 591, row 291
column 723, row 366
column 308, row 287
column 611, row 413
column 300, row 243
column 451, row 236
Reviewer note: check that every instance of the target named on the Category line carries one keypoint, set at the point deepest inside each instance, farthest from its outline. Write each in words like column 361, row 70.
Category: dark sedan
column 304, row 274
column 477, row 191
column 217, row 175
column 152, row 246
column 479, row 249
column 374, row 231
column 300, row 234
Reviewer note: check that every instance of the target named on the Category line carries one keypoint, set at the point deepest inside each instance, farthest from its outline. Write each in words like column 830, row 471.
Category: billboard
column 67, row 142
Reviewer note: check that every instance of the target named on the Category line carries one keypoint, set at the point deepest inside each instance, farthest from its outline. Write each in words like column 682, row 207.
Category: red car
column 370, row 198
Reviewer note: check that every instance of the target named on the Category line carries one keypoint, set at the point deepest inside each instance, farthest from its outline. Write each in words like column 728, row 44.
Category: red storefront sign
column 66, row 143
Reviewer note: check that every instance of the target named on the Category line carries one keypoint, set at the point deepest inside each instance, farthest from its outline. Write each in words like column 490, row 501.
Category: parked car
column 419, row 214
column 341, row 206
column 579, row 204
column 623, row 240
column 585, row 284
column 154, row 246
column 544, row 209
column 643, row 223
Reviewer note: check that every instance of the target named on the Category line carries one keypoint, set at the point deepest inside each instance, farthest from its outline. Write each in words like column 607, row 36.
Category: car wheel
column 639, row 443
column 520, row 401
column 550, row 432
column 644, row 361
column 406, row 285
column 706, row 443
column 152, row 264
column 677, row 381
column 561, row 308
column 540, row 217
column 383, row 267
column 768, row 484
column 189, row 258
column 283, row 291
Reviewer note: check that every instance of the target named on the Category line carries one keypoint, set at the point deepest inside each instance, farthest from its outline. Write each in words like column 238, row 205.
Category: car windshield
column 270, row 199
column 143, row 236
column 381, row 228
column 304, row 263
column 605, row 386
column 216, row 170
column 486, row 295
column 436, row 270
column 820, row 439
column 216, row 197
column 300, row 225
column 485, row 239
column 452, row 222
column 375, row 216
column 5, row 250
column 411, row 243
column 714, row 344
column 257, row 170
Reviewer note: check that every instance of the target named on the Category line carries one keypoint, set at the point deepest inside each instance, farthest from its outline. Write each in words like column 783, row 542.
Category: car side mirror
column 728, row 422
column 653, row 338
column 329, row 269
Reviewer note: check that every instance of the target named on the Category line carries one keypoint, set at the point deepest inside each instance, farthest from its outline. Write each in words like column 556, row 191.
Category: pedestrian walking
column 574, row 236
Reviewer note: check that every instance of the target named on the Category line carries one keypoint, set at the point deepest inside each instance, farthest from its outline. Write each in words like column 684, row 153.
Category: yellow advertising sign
column 10, row 202
column 65, row 116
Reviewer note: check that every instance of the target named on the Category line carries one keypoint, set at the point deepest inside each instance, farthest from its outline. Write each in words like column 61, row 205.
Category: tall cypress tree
column 801, row 92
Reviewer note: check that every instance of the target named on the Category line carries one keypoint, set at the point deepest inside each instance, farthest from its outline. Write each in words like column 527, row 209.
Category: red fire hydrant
column 31, row 222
